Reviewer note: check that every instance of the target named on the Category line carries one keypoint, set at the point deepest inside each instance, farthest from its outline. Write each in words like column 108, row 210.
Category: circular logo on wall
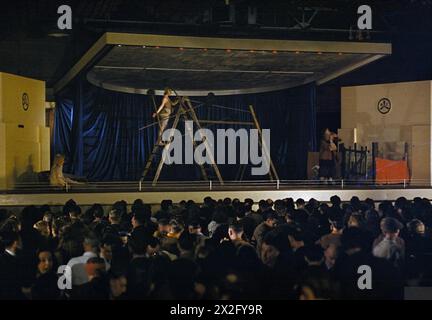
column 384, row 106
column 25, row 101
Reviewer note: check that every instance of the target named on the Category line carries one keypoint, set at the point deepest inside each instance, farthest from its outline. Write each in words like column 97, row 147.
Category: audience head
column 11, row 240
column 114, row 216
column 43, row 228
column 300, row 203
column 91, row 244
column 95, row 267
column 335, row 201
column 45, row 261
column 141, row 216
column 270, row 218
column 235, row 230
column 390, row 227
column 118, row 284
column 416, row 227
column 194, row 227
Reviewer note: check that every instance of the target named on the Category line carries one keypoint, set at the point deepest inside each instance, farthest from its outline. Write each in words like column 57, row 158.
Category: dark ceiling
column 196, row 72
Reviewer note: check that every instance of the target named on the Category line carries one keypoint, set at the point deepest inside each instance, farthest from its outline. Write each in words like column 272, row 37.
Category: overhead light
column 57, row 33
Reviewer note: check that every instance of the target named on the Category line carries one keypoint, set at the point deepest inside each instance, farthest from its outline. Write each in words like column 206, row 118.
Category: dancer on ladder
column 164, row 111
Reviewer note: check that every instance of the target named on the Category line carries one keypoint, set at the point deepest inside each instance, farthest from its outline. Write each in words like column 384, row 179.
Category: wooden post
column 355, row 159
column 195, row 119
column 203, row 172
column 272, row 167
column 348, row 174
column 374, row 155
column 343, row 164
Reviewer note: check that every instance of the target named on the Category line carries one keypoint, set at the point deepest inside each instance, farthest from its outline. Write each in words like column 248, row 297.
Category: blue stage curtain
column 99, row 130
column 63, row 115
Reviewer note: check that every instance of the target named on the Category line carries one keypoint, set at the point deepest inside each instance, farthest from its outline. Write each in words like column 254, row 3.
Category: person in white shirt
column 57, row 178
column 77, row 264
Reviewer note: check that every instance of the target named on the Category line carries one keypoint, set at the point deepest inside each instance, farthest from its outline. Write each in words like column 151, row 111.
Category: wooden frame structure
column 186, row 111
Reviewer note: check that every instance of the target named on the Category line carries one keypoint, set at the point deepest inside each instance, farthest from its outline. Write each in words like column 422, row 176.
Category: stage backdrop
column 98, row 130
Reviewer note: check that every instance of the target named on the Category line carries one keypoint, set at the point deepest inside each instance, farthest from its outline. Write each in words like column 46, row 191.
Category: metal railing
column 212, row 185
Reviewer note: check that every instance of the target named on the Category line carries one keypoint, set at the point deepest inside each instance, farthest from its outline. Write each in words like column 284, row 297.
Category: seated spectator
column 118, row 286
column 186, row 245
column 97, row 286
column 389, row 245
column 263, row 228
column 11, row 275
column 386, row 282
column 141, row 221
column 45, row 286
column 333, row 238
column 163, row 229
column 78, row 264
column 219, row 217
column 235, row 233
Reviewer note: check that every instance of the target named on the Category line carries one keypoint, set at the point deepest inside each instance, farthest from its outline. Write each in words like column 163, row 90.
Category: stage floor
column 109, row 192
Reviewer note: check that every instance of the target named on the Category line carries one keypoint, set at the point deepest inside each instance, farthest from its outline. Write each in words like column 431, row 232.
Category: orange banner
column 390, row 171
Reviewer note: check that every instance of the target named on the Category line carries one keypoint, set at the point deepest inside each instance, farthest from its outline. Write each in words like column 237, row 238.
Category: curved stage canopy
column 195, row 66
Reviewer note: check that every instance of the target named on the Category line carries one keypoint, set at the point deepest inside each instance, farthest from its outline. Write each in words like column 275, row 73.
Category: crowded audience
column 220, row 249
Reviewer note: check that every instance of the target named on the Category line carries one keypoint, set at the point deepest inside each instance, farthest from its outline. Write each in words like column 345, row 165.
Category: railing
column 212, row 185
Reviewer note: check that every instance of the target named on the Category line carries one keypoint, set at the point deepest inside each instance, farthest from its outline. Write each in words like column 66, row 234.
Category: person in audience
column 236, row 234
column 45, row 286
column 332, row 238
column 263, row 228
column 78, row 264
column 389, row 245
column 11, row 269
column 97, row 286
column 118, row 286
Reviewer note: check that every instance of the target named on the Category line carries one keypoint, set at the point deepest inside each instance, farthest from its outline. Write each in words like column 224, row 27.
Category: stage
column 108, row 192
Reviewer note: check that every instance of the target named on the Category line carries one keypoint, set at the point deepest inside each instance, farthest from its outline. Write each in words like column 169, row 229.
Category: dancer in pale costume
column 57, row 178
column 165, row 110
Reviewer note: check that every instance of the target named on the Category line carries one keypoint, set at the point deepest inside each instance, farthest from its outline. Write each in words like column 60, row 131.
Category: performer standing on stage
column 165, row 110
column 327, row 158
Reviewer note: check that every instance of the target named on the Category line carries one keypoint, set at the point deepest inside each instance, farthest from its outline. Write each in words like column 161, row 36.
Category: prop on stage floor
column 186, row 112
